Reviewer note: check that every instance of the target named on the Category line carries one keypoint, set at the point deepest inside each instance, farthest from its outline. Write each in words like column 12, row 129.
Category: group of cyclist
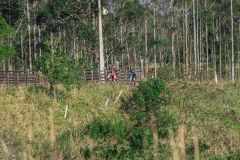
column 112, row 76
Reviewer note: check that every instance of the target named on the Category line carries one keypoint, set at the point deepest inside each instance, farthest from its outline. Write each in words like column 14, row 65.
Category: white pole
column 216, row 79
column 106, row 103
column 118, row 97
column 101, row 56
column 65, row 115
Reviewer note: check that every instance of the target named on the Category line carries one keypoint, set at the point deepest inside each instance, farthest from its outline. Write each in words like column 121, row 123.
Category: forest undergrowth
column 200, row 121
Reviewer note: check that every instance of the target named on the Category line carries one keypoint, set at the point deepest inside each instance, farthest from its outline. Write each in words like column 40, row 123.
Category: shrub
column 165, row 121
column 152, row 93
column 147, row 98
column 137, row 137
column 102, row 129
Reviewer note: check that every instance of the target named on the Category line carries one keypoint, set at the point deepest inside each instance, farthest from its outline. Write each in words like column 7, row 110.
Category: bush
column 103, row 129
column 165, row 121
column 152, row 93
column 137, row 137
column 147, row 97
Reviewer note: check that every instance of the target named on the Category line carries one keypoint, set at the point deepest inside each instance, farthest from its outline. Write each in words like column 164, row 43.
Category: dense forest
column 199, row 39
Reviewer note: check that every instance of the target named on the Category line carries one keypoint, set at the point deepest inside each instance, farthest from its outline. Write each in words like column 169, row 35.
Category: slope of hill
column 33, row 126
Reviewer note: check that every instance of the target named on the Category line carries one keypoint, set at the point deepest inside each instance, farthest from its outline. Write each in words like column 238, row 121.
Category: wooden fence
column 123, row 75
column 28, row 78
column 20, row 78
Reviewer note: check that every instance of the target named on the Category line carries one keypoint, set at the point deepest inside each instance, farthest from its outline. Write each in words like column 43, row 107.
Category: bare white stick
column 216, row 79
column 65, row 115
column 118, row 97
column 106, row 103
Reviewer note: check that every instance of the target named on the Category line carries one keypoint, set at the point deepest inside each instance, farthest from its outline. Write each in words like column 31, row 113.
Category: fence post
column 35, row 82
column 117, row 65
column 26, row 78
column 99, row 74
column 84, row 73
column 17, row 79
column 105, row 74
column 7, row 80
column 142, row 69
column 92, row 74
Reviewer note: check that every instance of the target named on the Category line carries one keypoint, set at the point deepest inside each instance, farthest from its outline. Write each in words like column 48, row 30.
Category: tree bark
column 232, row 66
column 34, row 34
column 220, row 55
column 29, row 38
column 173, row 38
column 194, row 39
column 186, row 38
column 146, row 45
column 22, row 50
column 39, row 41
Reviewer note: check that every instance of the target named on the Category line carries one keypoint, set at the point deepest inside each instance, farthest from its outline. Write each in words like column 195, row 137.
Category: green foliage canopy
column 152, row 93
column 6, row 50
column 59, row 67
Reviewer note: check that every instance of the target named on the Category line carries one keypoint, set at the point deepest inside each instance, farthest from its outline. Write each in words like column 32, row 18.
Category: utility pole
column 101, row 56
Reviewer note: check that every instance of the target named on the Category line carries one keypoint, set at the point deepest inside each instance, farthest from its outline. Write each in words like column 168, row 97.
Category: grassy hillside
column 212, row 112
column 33, row 126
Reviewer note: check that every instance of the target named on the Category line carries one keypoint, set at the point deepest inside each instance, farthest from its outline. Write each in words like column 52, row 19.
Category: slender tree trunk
column 179, row 58
column 29, row 38
column 39, row 41
column 173, row 55
column 232, row 66
column 200, row 46
column 9, row 65
column 197, row 40
column 207, row 47
column 238, row 52
column 226, row 57
column 173, row 50
column 194, row 39
column 146, row 45
column 127, row 47
column 134, row 50
column 121, row 40
column 186, row 38
column 22, row 50
column 214, row 53
column 154, row 37
column 220, row 54
column 34, row 34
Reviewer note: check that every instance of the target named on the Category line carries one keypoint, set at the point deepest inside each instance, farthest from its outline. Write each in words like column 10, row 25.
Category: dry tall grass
column 35, row 119
column 31, row 122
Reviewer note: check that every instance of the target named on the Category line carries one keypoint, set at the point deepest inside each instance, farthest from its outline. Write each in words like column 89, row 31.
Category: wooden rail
column 29, row 78
column 123, row 75
column 20, row 78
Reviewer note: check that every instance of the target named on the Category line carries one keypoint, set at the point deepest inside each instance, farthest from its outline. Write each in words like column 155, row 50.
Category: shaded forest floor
column 33, row 126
